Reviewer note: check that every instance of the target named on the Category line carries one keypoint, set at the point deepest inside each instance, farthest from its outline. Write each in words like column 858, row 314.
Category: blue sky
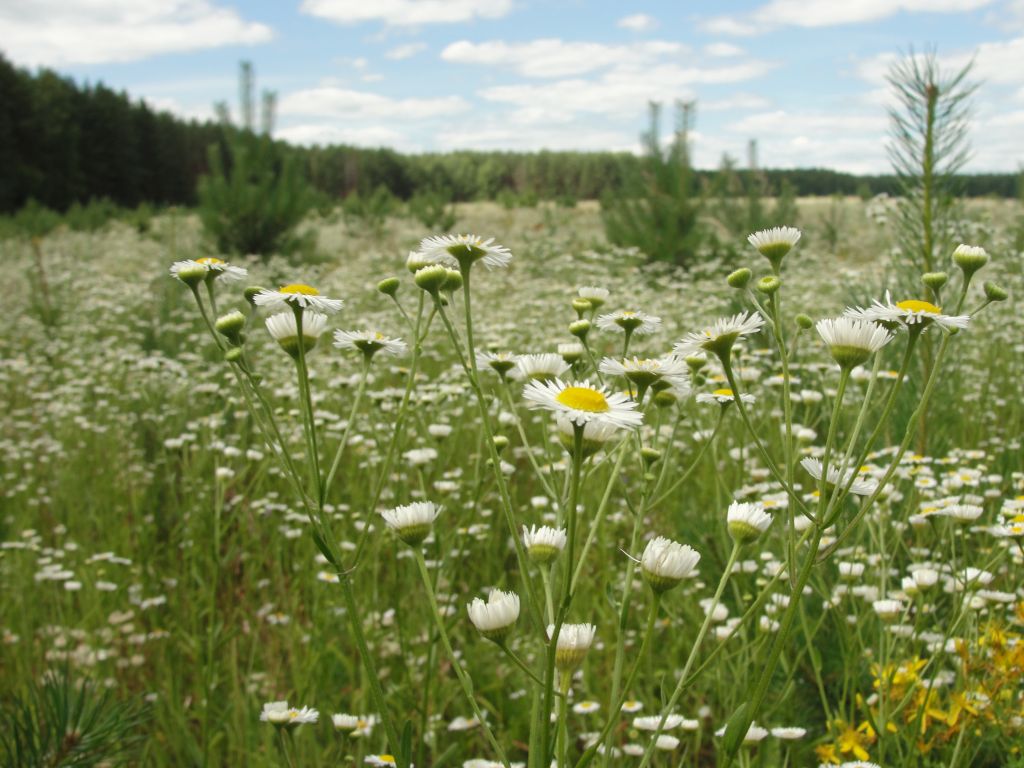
column 806, row 78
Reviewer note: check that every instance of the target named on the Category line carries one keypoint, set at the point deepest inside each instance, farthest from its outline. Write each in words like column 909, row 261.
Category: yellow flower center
column 722, row 393
column 916, row 305
column 209, row 260
column 305, row 290
column 583, row 399
column 390, row 759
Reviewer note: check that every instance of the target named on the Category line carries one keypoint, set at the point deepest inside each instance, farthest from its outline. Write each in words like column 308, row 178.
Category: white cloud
column 723, row 50
column 744, row 101
column 365, row 136
column 406, row 12
column 407, row 51
column 827, row 13
column 175, row 107
column 552, row 57
column 350, row 105
column 62, row 32
column 498, row 134
column 638, row 22
column 623, row 91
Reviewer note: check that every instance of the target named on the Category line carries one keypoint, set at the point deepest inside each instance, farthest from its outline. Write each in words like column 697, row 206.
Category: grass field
column 154, row 544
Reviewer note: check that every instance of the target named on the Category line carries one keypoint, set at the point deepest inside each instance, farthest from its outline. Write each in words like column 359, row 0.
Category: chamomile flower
column 574, row 640
column 746, row 522
column 723, row 397
column 775, row 243
column 381, row 761
column 355, row 725
column 720, row 336
column 280, row 714
column 851, row 342
column 596, row 296
column 283, row 327
column 494, row 618
column 544, row 543
column 412, row 522
column 193, row 271
column 887, row 610
column 635, row 323
column 665, row 563
column 651, row 722
column 582, row 403
column 789, row 733
column 859, row 487
column 368, row 342
column 465, row 250
column 542, row 367
column 646, row 372
column 296, row 295
column 499, row 362
column 909, row 313
column 595, row 434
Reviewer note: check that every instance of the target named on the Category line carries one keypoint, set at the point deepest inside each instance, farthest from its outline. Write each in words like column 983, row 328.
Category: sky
column 805, row 78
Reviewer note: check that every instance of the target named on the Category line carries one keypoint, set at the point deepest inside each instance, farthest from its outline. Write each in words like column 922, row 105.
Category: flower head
column 596, row 296
column 296, row 296
column 278, row 713
column 665, row 563
column 574, row 640
column 858, row 488
column 194, row 271
column 412, row 522
column 635, row 323
column 746, row 522
column 851, row 342
column 464, row 250
column 499, row 362
column 542, row 367
column 775, row 243
column 723, row 397
column 368, row 342
column 544, row 543
column 582, row 403
column 911, row 313
column 495, row 617
column 720, row 336
column 646, row 372
column 283, row 327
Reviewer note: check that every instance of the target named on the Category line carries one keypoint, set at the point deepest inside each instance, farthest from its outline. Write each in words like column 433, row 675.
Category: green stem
column 348, row 428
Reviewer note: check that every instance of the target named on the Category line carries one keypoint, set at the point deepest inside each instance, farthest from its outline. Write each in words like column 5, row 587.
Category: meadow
column 192, row 516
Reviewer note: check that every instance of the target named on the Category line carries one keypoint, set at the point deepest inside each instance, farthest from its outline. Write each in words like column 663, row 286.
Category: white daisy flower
column 595, row 434
column 412, row 522
column 859, row 487
column 636, row 323
column 494, row 618
column 499, row 362
column 970, row 258
column 381, row 761
column 586, row 707
column 963, row 513
column 596, row 296
column 723, row 397
column 283, row 327
column 368, row 342
column 544, row 543
column 775, row 243
column 280, row 714
column 746, row 522
column 457, row 250
column 788, row 733
column 296, row 295
column 574, row 640
column 651, row 722
column 645, row 372
column 356, row 725
column 571, row 351
column 665, row 563
column 909, row 312
column 887, row 610
column 541, row 367
column 850, row 341
column 719, row 336
column 192, row 271
column 582, row 403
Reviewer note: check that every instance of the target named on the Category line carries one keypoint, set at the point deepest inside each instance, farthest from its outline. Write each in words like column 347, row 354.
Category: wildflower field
column 443, row 502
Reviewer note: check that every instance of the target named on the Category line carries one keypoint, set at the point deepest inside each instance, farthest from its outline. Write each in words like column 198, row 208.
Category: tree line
column 63, row 143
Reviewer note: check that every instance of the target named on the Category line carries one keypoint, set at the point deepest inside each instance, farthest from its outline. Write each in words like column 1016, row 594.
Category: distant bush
column 369, row 211
column 433, row 209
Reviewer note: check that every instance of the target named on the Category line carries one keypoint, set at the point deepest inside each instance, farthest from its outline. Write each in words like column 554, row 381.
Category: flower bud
column 970, row 258
column 740, row 278
column 416, row 261
column 388, row 286
column 935, row 280
column 650, row 456
column 233, row 355
column 995, row 292
column 230, row 326
column 769, row 285
column 431, row 279
column 500, row 443
column 453, row 282
column 581, row 306
column 580, row 329
column 495, row 618
column 250, row 294
column 804, row 322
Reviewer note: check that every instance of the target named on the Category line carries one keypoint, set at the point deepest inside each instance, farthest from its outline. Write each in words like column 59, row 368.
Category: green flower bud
column 935, row 280
column 431, row 279
column 970, row 258
column 769, row 285
column 582, row 306
column 740, row 278
column 804, row 322
column 580, row 329
column 453, row 282
column 233, row 355
column 250, row 294
column 389, row 286
column 995, row 292
column 230, row 326
column 500, row 443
